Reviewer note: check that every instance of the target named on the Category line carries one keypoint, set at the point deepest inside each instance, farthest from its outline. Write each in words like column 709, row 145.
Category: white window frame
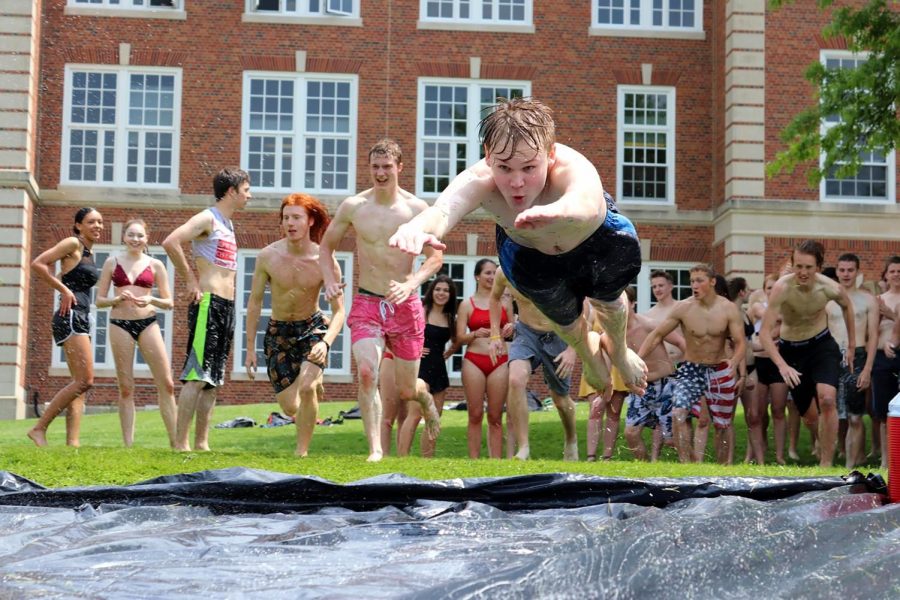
column 299, row 134
column 645, row 27
column 138, row 9
column 141, row 369
column 645, row 299
column 326, row 12
column 127, row 4
column 473, row 118
column 121, row 127
column 476, row 10
column 890, row 161
column 668, row 130
column 242, row 291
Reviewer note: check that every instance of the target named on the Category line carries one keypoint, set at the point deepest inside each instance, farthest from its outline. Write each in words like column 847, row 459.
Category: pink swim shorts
column 400, row 326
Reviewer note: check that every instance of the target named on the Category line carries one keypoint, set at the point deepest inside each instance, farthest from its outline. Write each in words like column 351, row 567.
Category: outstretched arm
column 464, row 194
column 582, row 200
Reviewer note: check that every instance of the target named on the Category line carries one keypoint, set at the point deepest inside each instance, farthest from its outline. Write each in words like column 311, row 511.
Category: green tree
column 865, row 98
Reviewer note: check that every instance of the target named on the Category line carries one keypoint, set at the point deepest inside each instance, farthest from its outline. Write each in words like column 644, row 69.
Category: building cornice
column 23, row 180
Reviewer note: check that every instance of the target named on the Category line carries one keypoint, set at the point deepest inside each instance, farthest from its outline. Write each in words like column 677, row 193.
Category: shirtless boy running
column 298, row 337
column 534, row 344
column 386, row 310
column 707, row 320
column 806, row 355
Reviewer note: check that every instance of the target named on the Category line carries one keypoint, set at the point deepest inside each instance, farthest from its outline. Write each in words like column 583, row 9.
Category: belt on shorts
column 368, row 293
column 791, row 344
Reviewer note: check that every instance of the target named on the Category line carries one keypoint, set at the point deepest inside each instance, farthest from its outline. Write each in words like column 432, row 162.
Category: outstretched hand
column 411, row 240
column 537, row 217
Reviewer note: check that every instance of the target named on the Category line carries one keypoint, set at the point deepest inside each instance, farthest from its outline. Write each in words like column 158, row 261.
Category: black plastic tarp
column 237, row 532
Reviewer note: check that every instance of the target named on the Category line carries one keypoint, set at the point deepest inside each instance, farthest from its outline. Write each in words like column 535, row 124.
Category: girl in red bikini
column 480, row 376
column 133, row 323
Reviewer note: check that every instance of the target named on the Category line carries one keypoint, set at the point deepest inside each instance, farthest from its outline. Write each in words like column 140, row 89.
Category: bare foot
column 633, row 370
column 375, row 457
column 570, row 451
column 524, row 453
column 432, row 422
column 204, row 447
column 179, row 448
column 38, row 436
column 301, row 453
column 792, row 454
column 780, row 460
column 596, row 370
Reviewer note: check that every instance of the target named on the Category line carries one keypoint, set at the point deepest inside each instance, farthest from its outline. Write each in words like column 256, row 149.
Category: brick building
column 131, row 106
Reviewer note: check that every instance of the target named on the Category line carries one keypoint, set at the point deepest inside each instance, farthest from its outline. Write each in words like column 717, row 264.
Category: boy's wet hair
column 704, row 268
column 811, row 248
column 387, row 147
column 520, row 120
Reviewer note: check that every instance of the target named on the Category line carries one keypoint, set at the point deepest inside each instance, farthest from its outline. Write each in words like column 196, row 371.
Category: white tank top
column 220, row 246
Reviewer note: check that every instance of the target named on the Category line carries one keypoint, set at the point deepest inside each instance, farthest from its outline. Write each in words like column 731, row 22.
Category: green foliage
column 337, row 453
column 865, row 98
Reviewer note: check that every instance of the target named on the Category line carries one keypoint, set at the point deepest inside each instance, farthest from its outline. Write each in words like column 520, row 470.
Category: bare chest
column 287, row 272
column 375, row 224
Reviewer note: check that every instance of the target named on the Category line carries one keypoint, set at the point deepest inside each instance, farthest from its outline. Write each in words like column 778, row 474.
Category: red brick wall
column 793, row 42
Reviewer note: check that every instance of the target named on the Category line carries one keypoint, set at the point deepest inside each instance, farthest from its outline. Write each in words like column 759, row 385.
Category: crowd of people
column 820, row 348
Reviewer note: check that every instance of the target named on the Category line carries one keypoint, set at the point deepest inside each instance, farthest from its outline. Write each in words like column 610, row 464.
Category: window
column 683, row 15
column 874, row 182
column 306, row 8
column 103, row 356
column 449, row 113
column 338, row 356
column 646, row 144
column 299, row 131
column 129, row 4
column 121, row 126
column 680, row 272
column 495, row 12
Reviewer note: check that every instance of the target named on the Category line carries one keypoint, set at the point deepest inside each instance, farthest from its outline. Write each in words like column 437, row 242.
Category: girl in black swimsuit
column 133, row 323
column 72, row 322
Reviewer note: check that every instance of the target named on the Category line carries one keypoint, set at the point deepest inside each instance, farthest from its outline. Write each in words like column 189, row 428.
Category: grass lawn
column 337, row 453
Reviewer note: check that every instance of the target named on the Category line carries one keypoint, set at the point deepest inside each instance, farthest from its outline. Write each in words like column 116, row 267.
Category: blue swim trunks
column 600, row 268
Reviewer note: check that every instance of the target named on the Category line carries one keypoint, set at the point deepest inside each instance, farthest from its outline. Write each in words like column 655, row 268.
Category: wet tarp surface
column 237, row 533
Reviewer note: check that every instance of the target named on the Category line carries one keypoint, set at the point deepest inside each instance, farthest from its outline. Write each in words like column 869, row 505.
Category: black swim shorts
column 600, row 268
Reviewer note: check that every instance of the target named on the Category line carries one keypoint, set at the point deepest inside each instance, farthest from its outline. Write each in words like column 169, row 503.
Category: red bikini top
column 144, row 280
column 481, row 317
